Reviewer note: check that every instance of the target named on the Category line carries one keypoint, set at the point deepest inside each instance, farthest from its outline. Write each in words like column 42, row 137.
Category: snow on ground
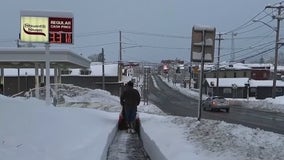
column 30, row 130
column 84, row 126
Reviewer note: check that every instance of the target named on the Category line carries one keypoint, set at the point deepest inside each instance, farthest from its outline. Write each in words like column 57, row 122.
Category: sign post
column 47, row 74
column 202, row 50
column 46, row 27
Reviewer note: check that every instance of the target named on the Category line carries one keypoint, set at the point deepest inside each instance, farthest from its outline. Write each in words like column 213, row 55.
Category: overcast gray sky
column 152, row 30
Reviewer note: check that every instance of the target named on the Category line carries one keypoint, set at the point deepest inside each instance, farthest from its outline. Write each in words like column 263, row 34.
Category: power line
column 261, row 53
column 162, row 47
column 248, row 23
column 256, row 50
column 158, row 47
column 89, row 34
column 249, row 48
column 157, row 35
column 243, row 25
column 97, row 45
column 253, row 37
column 252, row 29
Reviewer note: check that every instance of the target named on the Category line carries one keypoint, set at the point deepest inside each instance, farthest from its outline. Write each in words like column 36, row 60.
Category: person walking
column 129, row 100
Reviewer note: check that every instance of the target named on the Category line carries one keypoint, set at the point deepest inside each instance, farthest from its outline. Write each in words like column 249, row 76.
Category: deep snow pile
column 232, row 139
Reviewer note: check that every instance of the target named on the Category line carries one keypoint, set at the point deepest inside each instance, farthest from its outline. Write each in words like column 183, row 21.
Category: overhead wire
column 255, row 45
column 260, row 53
column 139, row 45
column 250, row 27
column 97, row 45
column 157, row 35
column 243, row 25
column 254, row 50
column 164, row 47
column 89, row 34
column 248, row 23
column 249, row 48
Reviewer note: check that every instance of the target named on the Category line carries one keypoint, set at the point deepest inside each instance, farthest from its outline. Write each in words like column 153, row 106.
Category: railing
column 57, row 92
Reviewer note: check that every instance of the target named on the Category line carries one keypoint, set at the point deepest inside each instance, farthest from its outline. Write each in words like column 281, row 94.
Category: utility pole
column 233, row 47
column 278, row 18
column 120, row 47
column 103, row 69
column 218, row 61
column 120, row 58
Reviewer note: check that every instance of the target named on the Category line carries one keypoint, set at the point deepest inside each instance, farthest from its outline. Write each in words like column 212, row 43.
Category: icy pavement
column 126, row 146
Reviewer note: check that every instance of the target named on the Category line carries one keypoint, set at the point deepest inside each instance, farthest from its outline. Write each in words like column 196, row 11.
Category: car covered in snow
column 216, row 103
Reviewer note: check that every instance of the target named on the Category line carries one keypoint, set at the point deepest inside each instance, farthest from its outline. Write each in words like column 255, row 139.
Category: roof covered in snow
column 95, row 68
column 28, row 57
column 228, row 82
column 240, row 82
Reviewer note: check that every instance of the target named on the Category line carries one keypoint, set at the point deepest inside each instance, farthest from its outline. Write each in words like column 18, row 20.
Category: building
column 87, row 78
column 242, row 87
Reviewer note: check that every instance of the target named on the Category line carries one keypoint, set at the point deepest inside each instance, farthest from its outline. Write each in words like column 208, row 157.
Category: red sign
column 60, row 37
column 60, row 30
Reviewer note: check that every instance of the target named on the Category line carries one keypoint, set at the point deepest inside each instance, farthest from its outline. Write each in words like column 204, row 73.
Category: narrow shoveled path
column 126, row 146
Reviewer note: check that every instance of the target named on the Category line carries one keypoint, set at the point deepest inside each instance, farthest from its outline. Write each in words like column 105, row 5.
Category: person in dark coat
column 129, row 100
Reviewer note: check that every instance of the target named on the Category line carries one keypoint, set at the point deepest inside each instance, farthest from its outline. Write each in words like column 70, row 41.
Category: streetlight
column 273, row 28
column 276, row 29
column 218, row 60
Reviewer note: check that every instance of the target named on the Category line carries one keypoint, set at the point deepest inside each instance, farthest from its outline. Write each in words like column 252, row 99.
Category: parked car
column 215, row 103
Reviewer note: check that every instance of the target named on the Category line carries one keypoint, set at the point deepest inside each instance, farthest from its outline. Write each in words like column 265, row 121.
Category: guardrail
column 57, row 92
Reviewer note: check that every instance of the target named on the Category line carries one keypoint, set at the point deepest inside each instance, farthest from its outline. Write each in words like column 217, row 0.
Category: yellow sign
column 34, row 29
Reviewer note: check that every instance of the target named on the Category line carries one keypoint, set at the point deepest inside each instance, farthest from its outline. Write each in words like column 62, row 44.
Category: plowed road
column 175, row 103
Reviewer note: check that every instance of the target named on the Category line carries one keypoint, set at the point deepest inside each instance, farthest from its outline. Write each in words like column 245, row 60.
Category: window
column 264, row 75
column 227, row 90
column 235, row 74
column 66, row 71
column 253, row 90
column 279, row 90
column 85, row 72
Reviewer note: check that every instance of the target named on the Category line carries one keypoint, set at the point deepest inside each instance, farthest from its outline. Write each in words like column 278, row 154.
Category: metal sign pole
column 47, row 74
column 202, row 50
